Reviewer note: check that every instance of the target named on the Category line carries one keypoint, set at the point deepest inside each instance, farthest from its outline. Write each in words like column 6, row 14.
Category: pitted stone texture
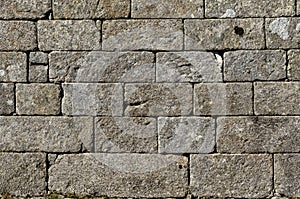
column 68, row 35
column 38, row 99
column 258, row 134
column 167, row 9
column 240, row 176
column 254, row 65
column 188, row 67
column 294, row 65
column 90, row 9
column 186, row 135
column 223, row 99
column 38, row 73
column 102, row 67
column 277, row 98
column 158, row 99
column 221, row 34
column 49, row 134
column 126, row 134
column 120, row 175
column 93, row 99
column 145, row 34
column 38, row 58
column 248, row 8
column 17, row 35
column 287, row 174
column 13, row 67
column 23, row 174
column 7, row 99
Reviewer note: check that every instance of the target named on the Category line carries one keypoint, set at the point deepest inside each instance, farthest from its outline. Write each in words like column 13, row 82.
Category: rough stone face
column 38, row 73
column 38, row 58
column 241, row 176
column 90, row 9
column 186, row 135
column 142, row 34
column 220, row 34
column 223, row 99
column 125, row 134
column 7, row 96
column 254, row 65
column 17, row 35
column 277, row 98
column 249, row 8
column 158, row 99
column 294, row 66
column 23, row 174
column 120, row 175
column 50, row 134
column 68, row 35
column 188, row 67
column 93, row 99
column 12, row 67
column 102, row 67
column 38, row 99
column 167, row 9
column 287, row 172
column 258, row 134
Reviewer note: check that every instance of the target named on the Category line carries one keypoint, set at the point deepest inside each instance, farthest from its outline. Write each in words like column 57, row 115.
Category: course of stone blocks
column 150, row 98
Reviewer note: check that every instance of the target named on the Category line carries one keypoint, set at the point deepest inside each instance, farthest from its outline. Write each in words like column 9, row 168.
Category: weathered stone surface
column 120, row 175
column 287, row 174
column 143, row 34
column 7, row 99
column 90, row 9
column 254, row 65
column 24, row 9
column 12, row 67
column 68, row 35
column 38, row 99
column 241, row 176
column 167, row 9
column 294, row 65
column 188, row 67
column 93, row 99
column 38, row 58
column 223, row 99
column 258, row 134
column 220, row 34
column 186, row 135
column 277, row 98
column 38, row 73
column 23, row 174
column 158, row 99
column 102, row 66
column 49, row 134
column 125, row 134
column 17, row 35
column 249, row 8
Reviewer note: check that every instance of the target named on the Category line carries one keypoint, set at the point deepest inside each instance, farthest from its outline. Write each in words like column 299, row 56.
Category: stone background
column 150, row 98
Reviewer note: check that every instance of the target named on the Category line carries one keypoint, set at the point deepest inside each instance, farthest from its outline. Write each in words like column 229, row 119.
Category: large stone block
column 7, row 99
column 13, row 67
column 294, row 65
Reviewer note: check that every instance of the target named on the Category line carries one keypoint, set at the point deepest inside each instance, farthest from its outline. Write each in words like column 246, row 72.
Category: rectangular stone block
column 68, row 35
column 120, row 175
column 249, row 8
column 38, row 58
column 287, row 174
column 248, row 65
column 93, row 99
column 91, row 9
column 188, row 67
column 258, row 134
column 13, row 67
column 294, row 65
column 186, row 135
column 223, row 99
column 277, row 98
column 98, row 66
column 165, row 34
column 7, row 98
column 167, row 9
column 38, row 99
column 49, row 134
column 240, row 176
column 223, row 34
column 158, row 99
column 17, row 35
column 38, row 73
column 23, row 174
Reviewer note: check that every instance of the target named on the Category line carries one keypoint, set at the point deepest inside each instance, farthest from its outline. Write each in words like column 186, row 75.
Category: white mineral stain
column 10, row 102
column 280, row 27
column 229, row 14
column 2, row 73
column 298, row 27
